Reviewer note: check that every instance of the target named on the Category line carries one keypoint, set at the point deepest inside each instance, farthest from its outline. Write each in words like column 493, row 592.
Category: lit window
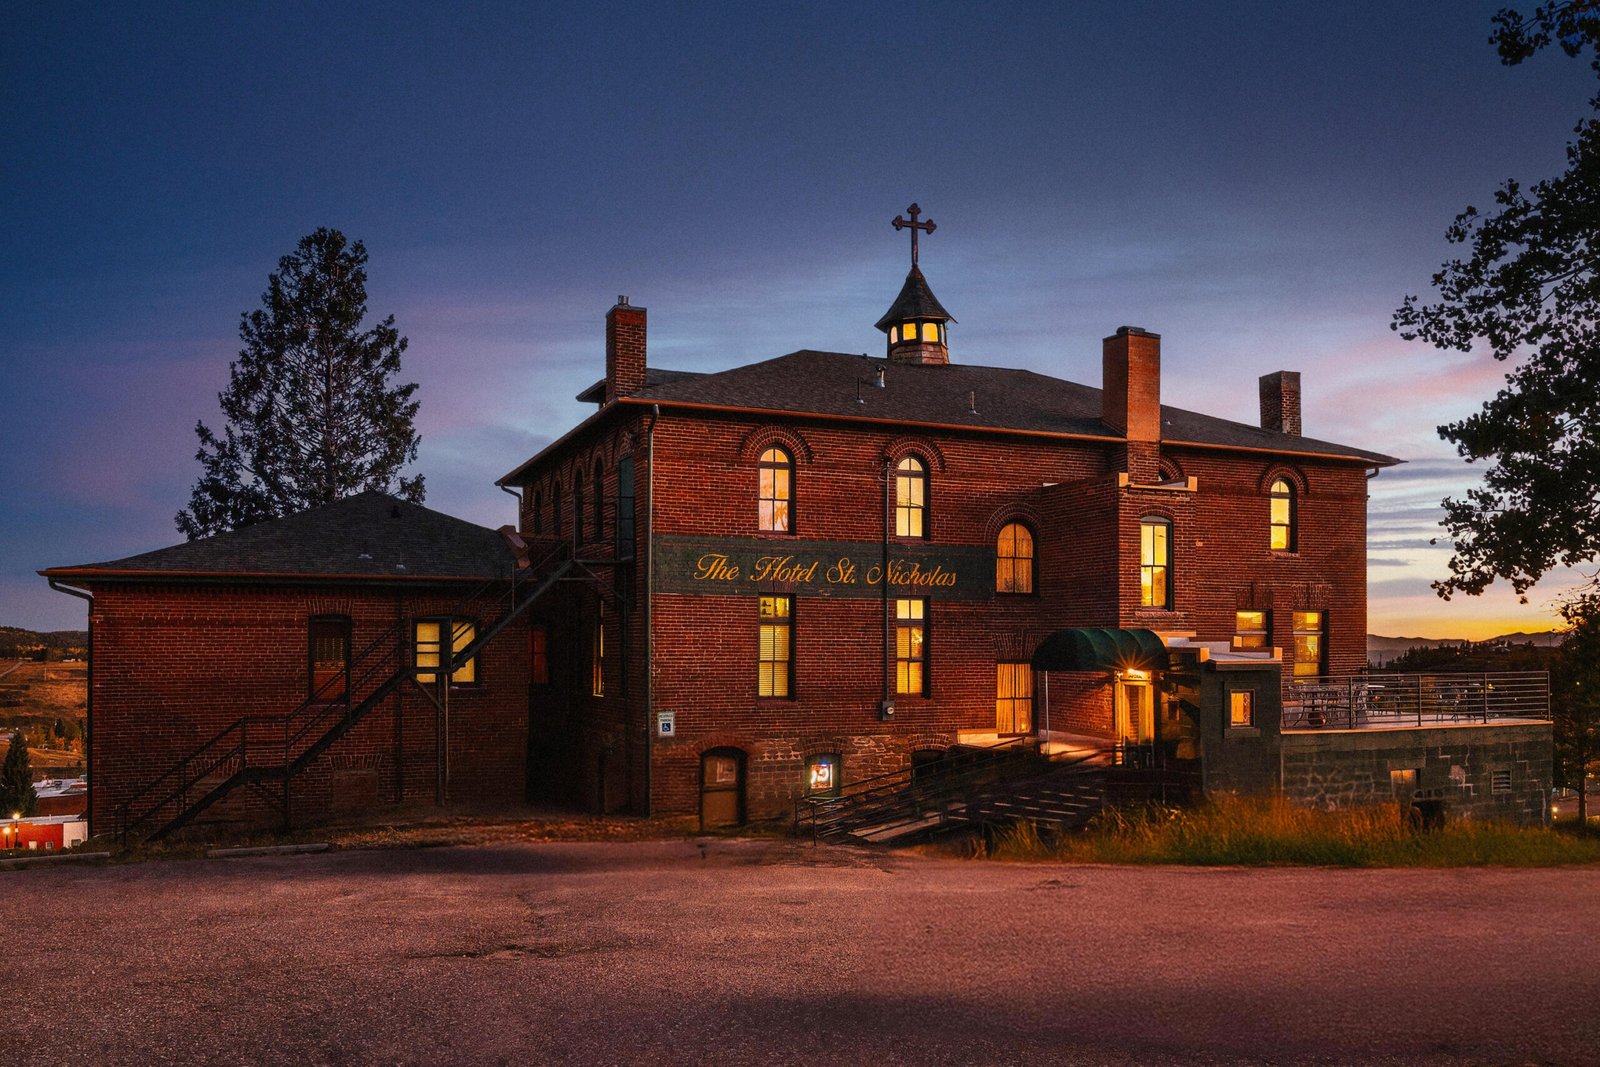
column 1283, row 531
column 1013, row 564
column 776, row 490
column 1013, row 700
column 1309, row 649
column 910, row 332
column 894, row 335
column 1155, row 562
column 539, row 647
column 930, row 331
column 822, row 775
column 911, row 498
column 624, row 529
column 597, row 657
column 910, row 647
column 1242, row 707
column 1249, row 630
column 775, row 673
column 429, row 649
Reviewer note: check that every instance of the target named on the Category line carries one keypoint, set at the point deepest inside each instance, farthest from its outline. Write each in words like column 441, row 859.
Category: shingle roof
column 828, row 383
column 916, row 301
column 369, row 536
column 652, row 376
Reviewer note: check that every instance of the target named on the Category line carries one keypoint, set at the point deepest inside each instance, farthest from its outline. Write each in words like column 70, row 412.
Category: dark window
column 822, row 775
column 910, row 645
column 539, row 649
column 555, row 507
column 1013, row 563
column 775, row 488
column 625, row 508
column 599, row 502
column 1013, row 698
column 1283, row 516
column 911, row 498
column 1155, row 562
column 429, row 649
column 775, row 669
column 1310, row 650
column 538, row 514
column 328, row 657
column 577, row 510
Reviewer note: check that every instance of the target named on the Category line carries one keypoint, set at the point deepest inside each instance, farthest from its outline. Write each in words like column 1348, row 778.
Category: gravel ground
column 745, row 951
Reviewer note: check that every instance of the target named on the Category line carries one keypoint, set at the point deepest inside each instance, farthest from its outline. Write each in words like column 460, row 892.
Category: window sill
column 1243, row 731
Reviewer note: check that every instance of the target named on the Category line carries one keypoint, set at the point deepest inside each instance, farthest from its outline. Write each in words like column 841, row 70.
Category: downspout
column 88, row 704
column 517, row 493
column 649, row 597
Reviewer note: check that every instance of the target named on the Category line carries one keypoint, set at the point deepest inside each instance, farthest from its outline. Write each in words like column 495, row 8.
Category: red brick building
column 732, row 590
column 823, row 566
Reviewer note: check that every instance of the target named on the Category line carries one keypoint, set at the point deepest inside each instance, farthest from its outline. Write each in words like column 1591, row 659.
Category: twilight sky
column 1261, row 183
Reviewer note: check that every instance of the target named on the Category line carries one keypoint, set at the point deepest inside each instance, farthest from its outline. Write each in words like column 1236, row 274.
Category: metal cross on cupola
column 916, row 321
column 900, row 223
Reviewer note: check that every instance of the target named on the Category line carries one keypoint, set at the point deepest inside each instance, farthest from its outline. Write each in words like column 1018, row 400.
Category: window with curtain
column 1013, row 565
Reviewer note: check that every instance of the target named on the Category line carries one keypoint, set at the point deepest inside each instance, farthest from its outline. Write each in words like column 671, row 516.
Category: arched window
column 1283, row 516
column 1013, row 561
column 577, row 509
column 624, row 526
column 911, row 498
column 776, row 491
column 555, row 507
column 599, row 501
column 1155, row 562
column 537, row 514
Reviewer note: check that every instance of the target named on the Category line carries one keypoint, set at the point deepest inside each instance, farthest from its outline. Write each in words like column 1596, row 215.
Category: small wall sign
column 666, row 726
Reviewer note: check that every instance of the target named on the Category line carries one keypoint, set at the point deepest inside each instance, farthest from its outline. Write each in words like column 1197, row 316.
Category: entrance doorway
column 1136, row 711
column 721, row 788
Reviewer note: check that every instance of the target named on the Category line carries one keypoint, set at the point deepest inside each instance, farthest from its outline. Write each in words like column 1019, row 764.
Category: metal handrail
column 1377, row 698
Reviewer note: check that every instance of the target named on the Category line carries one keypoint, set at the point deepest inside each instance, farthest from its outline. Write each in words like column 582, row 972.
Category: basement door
column 721, row 788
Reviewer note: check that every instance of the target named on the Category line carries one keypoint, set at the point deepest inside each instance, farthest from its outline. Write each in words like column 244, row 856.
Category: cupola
column 916, row 322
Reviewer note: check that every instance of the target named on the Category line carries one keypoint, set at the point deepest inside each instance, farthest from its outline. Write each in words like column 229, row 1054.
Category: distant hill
column 1382, row 650
column 18, row 643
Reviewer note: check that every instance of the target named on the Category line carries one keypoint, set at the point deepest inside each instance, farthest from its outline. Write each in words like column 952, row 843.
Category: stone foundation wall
column 1455, row 764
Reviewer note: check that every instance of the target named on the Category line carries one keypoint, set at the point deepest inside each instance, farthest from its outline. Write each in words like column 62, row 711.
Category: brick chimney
column 1280, row 402
column 625, row 329
column 1130, row 397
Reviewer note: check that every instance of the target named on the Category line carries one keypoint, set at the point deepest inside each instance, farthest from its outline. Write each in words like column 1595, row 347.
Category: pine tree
column 313, row 415
column 16, row 780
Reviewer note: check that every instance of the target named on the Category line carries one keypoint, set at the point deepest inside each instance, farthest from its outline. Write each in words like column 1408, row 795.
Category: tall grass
column 1258, row 832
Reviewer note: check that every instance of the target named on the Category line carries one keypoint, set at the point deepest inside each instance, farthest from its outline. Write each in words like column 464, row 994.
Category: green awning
column 1098, row 649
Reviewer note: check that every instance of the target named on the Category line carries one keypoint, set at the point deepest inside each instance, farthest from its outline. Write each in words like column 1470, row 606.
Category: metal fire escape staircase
column 971, row 788
column 266, row 752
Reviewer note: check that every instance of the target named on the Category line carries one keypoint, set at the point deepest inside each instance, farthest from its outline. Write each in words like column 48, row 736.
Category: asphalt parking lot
column 741, row 951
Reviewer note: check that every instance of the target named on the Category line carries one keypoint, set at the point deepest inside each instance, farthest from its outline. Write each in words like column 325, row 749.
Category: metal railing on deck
column 1376, row 700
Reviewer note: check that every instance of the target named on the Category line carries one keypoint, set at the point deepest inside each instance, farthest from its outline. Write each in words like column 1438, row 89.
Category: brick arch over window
column 761, row 438
column 901, row 447
column 1171, row 470
column 329, row 605
column 1003, row 516
column 1292, row 475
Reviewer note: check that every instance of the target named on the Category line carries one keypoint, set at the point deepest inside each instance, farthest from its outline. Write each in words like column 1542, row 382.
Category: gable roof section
column 370, row 536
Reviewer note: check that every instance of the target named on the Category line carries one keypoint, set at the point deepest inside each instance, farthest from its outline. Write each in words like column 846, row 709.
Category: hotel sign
column 731, row 566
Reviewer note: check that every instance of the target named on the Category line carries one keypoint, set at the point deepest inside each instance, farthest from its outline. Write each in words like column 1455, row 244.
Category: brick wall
column 177, row 664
